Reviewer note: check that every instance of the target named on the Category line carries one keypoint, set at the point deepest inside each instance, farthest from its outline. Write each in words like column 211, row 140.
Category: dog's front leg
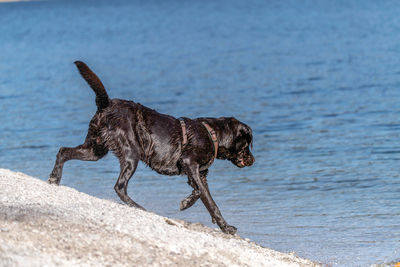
column 195, row 195
column 192, row 170
column 188, row 201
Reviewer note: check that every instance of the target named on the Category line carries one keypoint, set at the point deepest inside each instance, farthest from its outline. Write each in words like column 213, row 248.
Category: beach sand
column 42, row 224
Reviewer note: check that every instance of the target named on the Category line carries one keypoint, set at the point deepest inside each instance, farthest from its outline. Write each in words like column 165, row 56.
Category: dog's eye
column 244, row 147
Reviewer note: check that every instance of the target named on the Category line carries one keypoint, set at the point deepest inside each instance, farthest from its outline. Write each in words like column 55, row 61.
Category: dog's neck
column 213, row 137
column 223, row 134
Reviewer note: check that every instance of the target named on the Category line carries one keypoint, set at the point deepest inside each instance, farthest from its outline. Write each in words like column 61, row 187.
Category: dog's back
column 154, row 135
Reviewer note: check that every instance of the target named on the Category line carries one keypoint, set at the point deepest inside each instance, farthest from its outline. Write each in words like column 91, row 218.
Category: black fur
column 134, row 132
column 102, row 99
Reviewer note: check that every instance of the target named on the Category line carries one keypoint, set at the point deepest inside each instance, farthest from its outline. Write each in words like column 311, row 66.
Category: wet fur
column 134, row 132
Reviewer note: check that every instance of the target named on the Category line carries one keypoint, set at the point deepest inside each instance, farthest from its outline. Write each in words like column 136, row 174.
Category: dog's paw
column 133, row 204
column 229, row 229
column 187, row 203
column 190, row 200
column 53, row 180
column 184, row 204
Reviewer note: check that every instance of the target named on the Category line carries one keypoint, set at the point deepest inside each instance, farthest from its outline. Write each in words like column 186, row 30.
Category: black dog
column 168, row 145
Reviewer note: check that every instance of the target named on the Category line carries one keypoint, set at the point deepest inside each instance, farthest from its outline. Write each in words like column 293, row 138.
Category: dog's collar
column 184, row 132
column 211, row 133
column 213, row 136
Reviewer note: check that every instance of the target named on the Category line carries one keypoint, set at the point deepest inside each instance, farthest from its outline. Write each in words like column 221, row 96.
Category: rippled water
column 318, row 81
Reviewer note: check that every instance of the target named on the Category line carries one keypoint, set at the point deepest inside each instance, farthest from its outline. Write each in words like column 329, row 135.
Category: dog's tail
column 102, row 99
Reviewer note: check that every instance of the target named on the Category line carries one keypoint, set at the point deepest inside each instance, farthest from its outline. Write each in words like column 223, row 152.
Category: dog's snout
column 251, row 160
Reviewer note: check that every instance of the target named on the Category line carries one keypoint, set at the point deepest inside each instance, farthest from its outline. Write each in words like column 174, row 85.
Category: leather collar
column 211, row 133
column 213, row 136
column 184, row 132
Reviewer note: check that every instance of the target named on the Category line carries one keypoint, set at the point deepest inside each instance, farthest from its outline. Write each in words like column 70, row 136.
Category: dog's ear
column 247, row 133
column 243, row 131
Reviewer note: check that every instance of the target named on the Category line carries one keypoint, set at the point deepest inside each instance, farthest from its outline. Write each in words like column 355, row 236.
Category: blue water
column 318, row 81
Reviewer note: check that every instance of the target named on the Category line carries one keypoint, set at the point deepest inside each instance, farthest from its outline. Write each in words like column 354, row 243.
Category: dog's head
column 238, row 140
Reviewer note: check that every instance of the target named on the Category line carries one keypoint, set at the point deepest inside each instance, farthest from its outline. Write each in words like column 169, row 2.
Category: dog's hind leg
column 81, row 152
column 128, row 164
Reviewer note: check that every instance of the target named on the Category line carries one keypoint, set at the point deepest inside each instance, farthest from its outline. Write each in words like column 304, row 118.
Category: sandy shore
column 42, row 224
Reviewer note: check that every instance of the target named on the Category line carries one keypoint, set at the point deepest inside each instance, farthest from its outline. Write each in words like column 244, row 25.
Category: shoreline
column 42, row 224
